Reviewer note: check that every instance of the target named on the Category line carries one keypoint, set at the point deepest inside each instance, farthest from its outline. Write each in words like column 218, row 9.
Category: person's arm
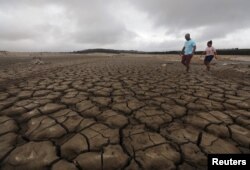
column 194, row 49
column 182, row 51
column 215, row 53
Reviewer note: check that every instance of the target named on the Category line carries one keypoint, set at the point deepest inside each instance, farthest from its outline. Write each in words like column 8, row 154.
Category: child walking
column 210, row 54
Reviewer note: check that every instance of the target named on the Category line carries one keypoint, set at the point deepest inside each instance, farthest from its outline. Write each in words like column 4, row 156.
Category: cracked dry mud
column 122, row 113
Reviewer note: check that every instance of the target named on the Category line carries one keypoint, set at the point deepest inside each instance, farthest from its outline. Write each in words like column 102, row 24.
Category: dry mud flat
column 120, row 113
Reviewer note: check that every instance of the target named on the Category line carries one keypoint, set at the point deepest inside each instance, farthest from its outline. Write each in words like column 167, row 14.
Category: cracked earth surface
column 122, row 113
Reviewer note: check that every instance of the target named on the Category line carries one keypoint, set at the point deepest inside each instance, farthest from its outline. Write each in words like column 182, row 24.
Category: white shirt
column 210, row 51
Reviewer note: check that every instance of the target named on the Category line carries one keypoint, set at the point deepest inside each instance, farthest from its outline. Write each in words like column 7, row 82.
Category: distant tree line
column 234, row 51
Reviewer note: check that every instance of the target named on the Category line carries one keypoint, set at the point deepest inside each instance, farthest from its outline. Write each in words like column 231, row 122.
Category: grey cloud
column 81, row 22
column 78, row 24
column 107, row 35
column 180, row 15
column 96, row 23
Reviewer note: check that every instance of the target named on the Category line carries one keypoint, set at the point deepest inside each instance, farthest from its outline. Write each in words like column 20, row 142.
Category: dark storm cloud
column 62, row 25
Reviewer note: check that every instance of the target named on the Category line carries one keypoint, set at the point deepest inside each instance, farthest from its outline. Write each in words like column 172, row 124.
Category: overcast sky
column 149, row 25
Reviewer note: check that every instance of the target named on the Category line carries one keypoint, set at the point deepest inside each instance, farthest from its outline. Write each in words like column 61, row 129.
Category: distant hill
column 112, row 51
column 234, row 51
column 100, row 50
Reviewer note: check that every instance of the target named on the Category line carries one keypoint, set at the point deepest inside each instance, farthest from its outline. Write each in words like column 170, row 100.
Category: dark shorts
column 186, row 59
column 208, row 58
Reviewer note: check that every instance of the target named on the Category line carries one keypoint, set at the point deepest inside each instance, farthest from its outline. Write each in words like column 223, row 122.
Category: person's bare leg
column 188, row 63
column 187, row 68
column 208, row 67
column 183, row 60
column 206, row 64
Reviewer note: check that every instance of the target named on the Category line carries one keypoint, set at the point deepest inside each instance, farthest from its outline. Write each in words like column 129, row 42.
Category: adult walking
column 188, row 51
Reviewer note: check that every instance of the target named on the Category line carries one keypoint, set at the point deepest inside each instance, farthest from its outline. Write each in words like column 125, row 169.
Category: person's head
column 187, row 36
column 210, row 43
